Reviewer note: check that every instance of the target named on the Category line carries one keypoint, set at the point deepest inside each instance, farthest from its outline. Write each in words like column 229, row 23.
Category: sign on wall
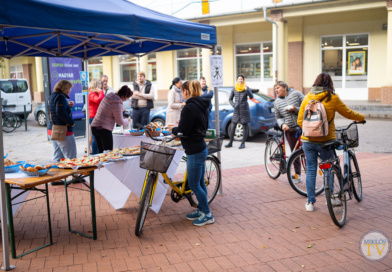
column 216, row 70
column 68, row 69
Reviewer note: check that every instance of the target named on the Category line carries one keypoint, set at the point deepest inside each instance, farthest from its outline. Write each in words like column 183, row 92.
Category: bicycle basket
column 214, row 145
column 351, row 133
column 155, row 157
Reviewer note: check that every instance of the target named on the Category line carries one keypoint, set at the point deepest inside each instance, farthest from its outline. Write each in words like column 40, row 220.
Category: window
column 95, row 68
column 348, row 53
column 254, row 61
column 16, row 71
column 129, row 67
column 152, row 67
column 189, row 64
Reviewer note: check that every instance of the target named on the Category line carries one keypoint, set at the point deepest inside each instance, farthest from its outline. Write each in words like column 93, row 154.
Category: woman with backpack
column 324, row 92
column 287, row 104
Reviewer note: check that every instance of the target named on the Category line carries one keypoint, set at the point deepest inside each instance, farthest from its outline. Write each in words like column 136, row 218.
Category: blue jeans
column 94, row 146
column 140, row 116
column 196, row 168
column 312, row 151
column 64, row 149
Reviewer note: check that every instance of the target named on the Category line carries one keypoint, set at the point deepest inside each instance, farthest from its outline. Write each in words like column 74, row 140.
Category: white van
column 15, row 94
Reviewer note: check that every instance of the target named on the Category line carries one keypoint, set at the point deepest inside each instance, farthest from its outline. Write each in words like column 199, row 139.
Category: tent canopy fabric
column 91, row 28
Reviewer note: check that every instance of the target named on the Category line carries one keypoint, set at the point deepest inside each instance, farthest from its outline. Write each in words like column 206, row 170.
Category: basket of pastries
column 154, row 128
column 135, row 132
column 12, row 167
column 35, row 170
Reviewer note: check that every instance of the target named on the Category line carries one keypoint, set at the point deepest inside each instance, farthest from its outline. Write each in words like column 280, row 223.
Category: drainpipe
column 274, row 45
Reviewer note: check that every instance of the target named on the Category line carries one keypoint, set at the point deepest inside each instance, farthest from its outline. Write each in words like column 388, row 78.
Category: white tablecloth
column 117, row 180
column 121, row 141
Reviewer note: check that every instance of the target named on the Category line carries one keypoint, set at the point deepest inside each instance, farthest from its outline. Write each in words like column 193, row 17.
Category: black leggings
column 245, row 126
column 104, row 138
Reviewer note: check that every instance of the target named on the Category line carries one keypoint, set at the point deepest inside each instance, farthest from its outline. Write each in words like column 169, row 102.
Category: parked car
column 15, row 94
column 261, row 109
column 40, row 115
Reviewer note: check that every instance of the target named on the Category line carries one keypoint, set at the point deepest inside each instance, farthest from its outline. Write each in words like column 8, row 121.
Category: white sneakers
column 309, row 206
column 335, row 202
column 298, row 179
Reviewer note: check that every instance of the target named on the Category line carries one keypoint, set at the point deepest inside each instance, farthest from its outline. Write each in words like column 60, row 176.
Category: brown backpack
column 315, row 123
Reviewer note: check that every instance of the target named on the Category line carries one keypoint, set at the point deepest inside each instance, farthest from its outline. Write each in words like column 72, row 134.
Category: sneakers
column 309, row 206
column 193, row 216
column 204, row 220
column 296, row 180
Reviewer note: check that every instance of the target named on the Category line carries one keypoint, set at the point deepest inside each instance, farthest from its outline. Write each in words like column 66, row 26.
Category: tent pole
column 87, row 114
column 4, row 224
column 217, row 123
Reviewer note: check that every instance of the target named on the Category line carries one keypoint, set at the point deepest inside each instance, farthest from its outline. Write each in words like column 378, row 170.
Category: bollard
column 25, row 117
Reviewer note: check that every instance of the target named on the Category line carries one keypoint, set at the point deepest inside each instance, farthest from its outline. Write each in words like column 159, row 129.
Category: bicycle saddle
column 331, row 145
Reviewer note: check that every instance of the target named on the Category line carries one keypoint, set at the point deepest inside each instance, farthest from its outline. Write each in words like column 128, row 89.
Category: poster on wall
column 356, row 62
column 68, row 69
column 216, row 70
column 96, row 73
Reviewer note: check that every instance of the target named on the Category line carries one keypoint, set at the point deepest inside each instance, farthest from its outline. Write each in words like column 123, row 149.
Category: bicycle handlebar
column 156, row 139
column 355, row 122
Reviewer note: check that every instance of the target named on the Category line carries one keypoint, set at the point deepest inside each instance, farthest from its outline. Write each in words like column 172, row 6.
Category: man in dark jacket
column 207, row 94
column 142, row 100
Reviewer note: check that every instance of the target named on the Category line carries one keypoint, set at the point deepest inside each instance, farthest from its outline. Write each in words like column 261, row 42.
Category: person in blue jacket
column 207, row 94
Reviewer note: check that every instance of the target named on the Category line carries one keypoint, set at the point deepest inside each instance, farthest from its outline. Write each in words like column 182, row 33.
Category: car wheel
column 160, row 121
column 41, row 117
column 238, row 133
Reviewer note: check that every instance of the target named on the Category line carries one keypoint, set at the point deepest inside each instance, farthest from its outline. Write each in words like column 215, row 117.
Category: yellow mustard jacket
column 335, row 104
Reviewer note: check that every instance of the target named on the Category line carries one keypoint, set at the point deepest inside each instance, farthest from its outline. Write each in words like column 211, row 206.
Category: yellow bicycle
column 157, row 158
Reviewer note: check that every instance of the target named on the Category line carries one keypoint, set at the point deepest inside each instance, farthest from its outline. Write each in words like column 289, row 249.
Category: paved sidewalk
column 261, row 225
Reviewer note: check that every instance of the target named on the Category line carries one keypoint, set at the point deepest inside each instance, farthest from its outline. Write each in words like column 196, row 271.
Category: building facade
column 350, row 39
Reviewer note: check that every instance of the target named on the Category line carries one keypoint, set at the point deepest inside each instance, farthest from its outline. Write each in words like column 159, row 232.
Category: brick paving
column 261, row 225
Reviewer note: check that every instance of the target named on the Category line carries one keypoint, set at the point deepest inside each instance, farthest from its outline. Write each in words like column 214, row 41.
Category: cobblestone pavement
column 261, row 225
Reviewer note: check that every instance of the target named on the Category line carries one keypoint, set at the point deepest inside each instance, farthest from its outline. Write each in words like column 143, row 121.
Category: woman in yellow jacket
column 324, row 91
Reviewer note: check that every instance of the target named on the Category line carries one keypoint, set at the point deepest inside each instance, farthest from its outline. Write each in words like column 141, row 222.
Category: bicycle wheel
column 144, row 204
column 355, row 177
column 296, row 174
column 336, row 200
column 212, row 178
column 9, row 122
column 272, row 158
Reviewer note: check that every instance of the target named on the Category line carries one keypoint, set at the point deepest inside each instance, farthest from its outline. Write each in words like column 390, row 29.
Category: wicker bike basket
column 351, row 133
column 214, row 145
column 155, row 157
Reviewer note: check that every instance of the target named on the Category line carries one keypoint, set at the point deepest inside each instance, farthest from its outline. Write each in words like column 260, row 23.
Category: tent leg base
column 10, row 268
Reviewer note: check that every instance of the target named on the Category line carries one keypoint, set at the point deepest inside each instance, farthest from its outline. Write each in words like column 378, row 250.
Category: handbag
column 59, row 132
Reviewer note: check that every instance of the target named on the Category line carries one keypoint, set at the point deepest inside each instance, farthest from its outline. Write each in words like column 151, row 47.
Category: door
column 23, row 96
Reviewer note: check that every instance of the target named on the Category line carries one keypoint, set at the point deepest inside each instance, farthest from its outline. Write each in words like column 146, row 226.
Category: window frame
column 344, row 48
column 198, row 58
column 262, row 79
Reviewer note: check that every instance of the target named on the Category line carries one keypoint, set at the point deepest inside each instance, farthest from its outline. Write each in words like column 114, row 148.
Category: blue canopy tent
column 87, row 29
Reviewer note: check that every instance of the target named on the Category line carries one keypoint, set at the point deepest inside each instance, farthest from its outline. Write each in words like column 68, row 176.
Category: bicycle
column 156, row 159
column 9, row 121
column 338, row 183
column 277, row 162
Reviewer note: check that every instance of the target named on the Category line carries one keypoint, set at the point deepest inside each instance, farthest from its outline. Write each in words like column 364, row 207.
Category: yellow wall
column 166, row 70
column 346, row 23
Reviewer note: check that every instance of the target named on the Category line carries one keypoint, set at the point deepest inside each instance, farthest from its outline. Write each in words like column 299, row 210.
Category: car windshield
column 223, row 99
column 263, row 97
column 13, row 86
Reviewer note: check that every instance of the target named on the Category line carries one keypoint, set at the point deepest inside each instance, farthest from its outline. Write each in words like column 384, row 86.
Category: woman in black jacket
column 60, row 114
column 241, row 114
column 193, row 125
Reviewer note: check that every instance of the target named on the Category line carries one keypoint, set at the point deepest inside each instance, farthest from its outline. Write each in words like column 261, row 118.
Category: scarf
column 179, row 92
column 239, row 88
